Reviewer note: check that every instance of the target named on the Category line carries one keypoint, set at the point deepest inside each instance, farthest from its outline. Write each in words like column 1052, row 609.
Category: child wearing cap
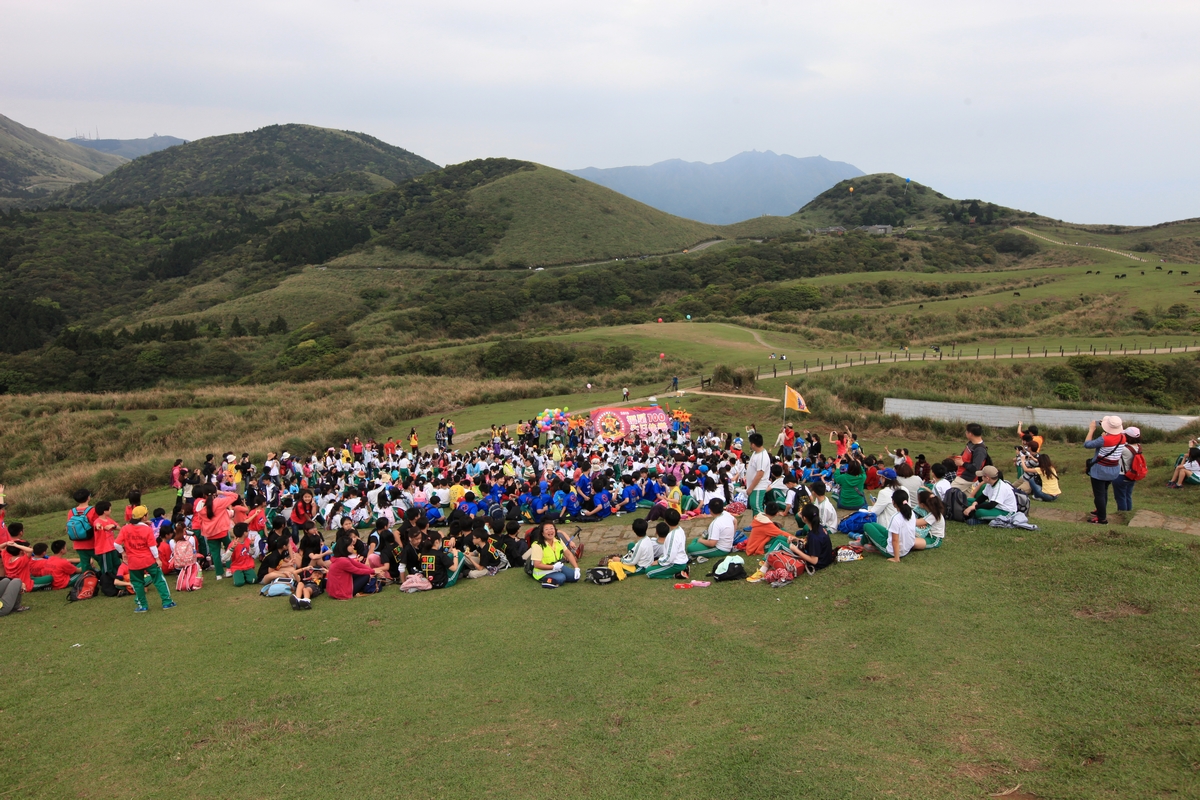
column 993, row 497
column 140, row 545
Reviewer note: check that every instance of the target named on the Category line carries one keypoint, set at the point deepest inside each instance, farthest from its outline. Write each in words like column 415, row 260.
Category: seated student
column 908, row 480
column 673, row 561
column 548, row 554
column 993, row 497
column 899, row 538
column 310, row 583
column 17, row 557
column 765, row 535
column 641, row 550
column 602, row 501
column 40, row 569
column 816, row 549
column 1042, row 480
column 630, row 496
column 241, row 559
column 61, row 569
column 515, row 548
column 12, row 590
column 347, row 576
column 718, row 541
column 488, row 555
column 467, row 509
column 1188, row 471
column 541, row 506
column 277, row 563
column 433, row 511
column 651, row 490
column 931, row 521
column 440, row 561
column 883, row 508
column 829, row 515
column 850, row 484
column 465, row 561
column 941, row 483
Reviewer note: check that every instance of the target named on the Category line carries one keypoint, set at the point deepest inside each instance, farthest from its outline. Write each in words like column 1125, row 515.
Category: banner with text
column 617, row 423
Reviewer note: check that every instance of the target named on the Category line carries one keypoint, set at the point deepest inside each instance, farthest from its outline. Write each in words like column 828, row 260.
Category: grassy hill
column 885, row 199
column 33, row 164
column 305, row 156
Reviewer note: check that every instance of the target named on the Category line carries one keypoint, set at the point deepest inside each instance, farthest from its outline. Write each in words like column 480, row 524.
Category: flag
column 793, row 400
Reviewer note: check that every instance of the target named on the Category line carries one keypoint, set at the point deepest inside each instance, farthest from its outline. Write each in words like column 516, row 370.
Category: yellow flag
column 793, row 400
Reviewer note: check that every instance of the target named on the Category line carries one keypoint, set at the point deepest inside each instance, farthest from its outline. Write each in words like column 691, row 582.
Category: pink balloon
column 662, row 355
column 660, row 319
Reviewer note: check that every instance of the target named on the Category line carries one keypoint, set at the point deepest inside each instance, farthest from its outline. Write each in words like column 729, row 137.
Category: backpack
column 1137, row 468
column 956, row 502
column 83, row 586
column 1022, row 499
column 730, row 568
column 79, row 529
column 601, row 575
column 276, row 588
column 855, row 522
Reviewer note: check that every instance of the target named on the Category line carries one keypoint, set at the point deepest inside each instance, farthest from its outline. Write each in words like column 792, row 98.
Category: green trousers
column 109, row 562
column 667, row 571
column 758, row 502
column 694, row 549
column 212, row 548
column 140, row 577
column 85, row 559
column 877, row 535
column 776, row 543
column 243, row 576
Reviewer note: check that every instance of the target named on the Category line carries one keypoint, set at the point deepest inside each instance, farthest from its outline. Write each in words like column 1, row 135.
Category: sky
column 1082, row 111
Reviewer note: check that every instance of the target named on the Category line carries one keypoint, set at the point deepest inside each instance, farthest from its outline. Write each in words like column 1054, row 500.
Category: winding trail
column 1068, row 244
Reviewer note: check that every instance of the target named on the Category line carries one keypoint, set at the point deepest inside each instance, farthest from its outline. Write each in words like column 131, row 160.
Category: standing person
column 450, row 433
column 1105, row 467
column 212, row 518
column 1133, row 469
column 758, row 474
column 413, row 444
column 974, row 458
column 81, row 530
column 625, row 395
column 141, row 545
column 104, row 531
column 675, row 383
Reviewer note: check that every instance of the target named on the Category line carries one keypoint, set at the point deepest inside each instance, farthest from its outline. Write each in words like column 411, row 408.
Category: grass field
column 1062, row 660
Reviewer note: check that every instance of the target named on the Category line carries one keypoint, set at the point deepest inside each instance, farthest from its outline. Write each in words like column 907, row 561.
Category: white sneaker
column 219, row 577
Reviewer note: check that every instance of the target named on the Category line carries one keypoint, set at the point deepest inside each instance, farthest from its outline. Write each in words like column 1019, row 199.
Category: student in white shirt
column 758, row 474
column 642, row 550
column 900, row 536
column 718, row 541
column 673, row 563
column 942, row 484
column 829, row 515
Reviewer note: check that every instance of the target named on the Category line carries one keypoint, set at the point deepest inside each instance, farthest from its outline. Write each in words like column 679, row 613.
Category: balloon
column 908, row 180
column 851, row 190
column 660, row 319
column 662, row 355
column 566, row 408
column 689, row 316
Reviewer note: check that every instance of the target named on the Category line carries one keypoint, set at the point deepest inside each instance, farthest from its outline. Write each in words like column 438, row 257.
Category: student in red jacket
column 241, row 562
column 140, row 549
column 18, row 560
column 212, row 517
column 84, row 548
column 348, row 576
column 104, row 531
column 60, row 568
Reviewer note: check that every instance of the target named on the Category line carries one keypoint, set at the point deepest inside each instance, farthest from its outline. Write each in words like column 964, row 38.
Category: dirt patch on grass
column 1120, row 611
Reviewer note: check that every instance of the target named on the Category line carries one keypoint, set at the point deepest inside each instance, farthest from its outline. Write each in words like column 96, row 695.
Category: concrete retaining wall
column 1008, row 416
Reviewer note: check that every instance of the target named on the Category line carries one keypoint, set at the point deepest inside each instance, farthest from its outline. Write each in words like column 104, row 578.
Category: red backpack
column 84, row 587
column 1137, row 468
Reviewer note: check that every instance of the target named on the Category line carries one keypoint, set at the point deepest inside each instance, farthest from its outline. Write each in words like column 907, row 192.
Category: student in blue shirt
column 468, row 505
column 603, row 503
column 572, row 506
column 540, row 505
column 629, row 495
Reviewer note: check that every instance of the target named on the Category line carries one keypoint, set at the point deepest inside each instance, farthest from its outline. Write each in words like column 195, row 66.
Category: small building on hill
column 876, row 230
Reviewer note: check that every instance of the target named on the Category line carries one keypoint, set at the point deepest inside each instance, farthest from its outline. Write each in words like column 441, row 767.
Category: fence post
column 1012, row 352
column 759, row 375
column 791, row 368
column 774, row 371
column 1045, row 352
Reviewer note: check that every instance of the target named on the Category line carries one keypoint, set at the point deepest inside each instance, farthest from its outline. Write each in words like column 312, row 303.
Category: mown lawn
column 1064, row 660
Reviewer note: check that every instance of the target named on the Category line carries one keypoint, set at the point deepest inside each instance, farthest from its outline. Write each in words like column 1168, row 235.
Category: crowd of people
column 363, row 515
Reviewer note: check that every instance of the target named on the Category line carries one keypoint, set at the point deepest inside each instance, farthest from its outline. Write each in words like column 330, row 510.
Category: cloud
column 1023, row 99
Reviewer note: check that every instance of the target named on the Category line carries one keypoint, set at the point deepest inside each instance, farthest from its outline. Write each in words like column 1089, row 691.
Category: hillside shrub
column 1066, row 391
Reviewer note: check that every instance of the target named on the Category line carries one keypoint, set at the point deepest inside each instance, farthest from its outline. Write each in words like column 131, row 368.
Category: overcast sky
column 1086, row 111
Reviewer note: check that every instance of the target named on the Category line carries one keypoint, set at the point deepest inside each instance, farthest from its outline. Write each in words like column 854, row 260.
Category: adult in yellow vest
column 553, row 564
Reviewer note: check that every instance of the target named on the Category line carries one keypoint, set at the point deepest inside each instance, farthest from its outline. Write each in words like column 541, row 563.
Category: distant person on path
column 674, row 383
column 625, row 395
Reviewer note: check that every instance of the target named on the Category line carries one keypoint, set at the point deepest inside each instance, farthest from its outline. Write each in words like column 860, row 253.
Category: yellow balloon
column 566, row 408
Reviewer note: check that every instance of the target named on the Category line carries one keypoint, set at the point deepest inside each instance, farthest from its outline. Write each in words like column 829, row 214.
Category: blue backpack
column 79, row 529
column 855, row 522
column 276, row 588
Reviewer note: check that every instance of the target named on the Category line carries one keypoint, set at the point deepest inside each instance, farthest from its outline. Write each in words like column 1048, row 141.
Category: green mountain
column 130, row 148
column 302, row 156
column 887, row 199
column 34, row 164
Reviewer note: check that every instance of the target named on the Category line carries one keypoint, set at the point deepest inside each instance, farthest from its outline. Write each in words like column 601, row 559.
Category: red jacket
column 339, row 585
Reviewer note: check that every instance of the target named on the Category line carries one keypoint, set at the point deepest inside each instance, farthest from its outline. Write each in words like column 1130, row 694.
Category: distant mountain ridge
column 129, row 148
column 747, row 185
column 33, row 163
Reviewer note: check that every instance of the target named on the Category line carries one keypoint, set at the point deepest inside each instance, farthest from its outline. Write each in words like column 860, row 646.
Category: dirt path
column 1068, row 244
column 694, row 249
